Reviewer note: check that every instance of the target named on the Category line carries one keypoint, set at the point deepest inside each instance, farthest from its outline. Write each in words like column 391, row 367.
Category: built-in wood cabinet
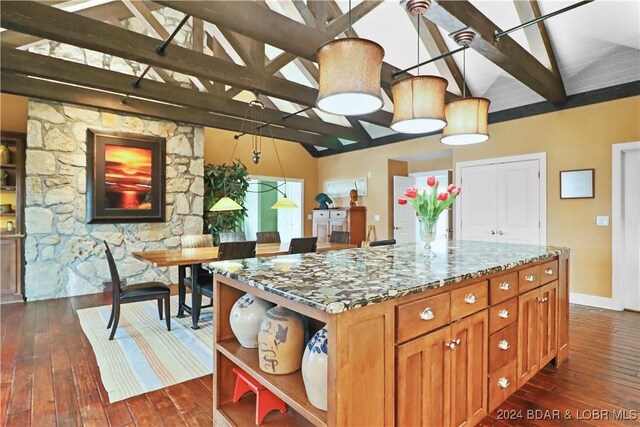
column 11, row 269
column 353, row 220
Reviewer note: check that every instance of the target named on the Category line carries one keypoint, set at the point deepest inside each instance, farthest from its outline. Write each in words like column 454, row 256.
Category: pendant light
column 418, row 101
column 349, row 83
column 225, row 204
column 285, row 202
column 468, row 118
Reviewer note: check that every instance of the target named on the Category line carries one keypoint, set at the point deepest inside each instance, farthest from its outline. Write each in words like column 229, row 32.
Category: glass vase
column 428, row 233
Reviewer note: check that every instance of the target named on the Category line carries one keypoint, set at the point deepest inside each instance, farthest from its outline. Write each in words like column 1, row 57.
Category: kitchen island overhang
column 391, row 313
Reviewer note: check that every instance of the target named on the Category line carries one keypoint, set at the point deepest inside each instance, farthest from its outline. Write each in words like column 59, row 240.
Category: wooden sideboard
column 445, row 356
column 353, row 220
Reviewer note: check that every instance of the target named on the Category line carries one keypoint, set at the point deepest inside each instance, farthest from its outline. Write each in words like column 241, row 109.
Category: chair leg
column 182, row 291
column 160, row 308
column 167, row 311
column 116, row 318
column 110, row 317
column 196, row 301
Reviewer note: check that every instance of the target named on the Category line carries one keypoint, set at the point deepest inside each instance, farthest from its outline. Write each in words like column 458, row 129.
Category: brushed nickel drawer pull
column 543, row 299
column 549, row 271
column 505, row 286
column 427, row 314
column 503, row 382
column 470, row 299
column 504, row 345
column 530, row 277
column 504, row 314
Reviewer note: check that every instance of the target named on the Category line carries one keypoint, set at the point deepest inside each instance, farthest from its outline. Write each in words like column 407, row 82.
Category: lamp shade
column 225, row 204
column 350, row 77
column 284, row 203
column 418, row 104
column 467, row 121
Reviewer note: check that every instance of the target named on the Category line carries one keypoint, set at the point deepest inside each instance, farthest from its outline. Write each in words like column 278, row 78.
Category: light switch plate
column 309, row 217
column 602, row 221
column 376, row 217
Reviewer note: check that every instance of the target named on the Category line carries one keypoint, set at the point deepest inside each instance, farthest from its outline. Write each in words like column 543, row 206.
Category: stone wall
column 64, row 255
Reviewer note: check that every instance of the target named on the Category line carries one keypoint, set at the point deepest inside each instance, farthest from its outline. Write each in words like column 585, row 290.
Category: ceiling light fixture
column 467, row 118
column 418, row 101
column 350, row 75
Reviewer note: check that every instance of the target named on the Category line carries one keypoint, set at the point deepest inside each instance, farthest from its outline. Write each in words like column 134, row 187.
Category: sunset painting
column 127, row 177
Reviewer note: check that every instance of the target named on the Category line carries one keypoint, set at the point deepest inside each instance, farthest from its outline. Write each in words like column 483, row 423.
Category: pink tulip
column 443, row 196
column 451, row 188
column 411, row 192
column 431, row 181
column 402, row 201
column 456, row 192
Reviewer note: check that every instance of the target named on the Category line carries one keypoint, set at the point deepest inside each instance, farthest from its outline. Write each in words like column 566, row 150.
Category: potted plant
column 230, row 180
column 429, row 204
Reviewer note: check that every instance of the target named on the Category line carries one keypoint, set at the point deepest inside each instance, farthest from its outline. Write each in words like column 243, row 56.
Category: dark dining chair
column 339, row 237
column 303, row 245
column 268, row 236
column 383, row 243
column 232, row 236
column 133, row 293
column 185, row 281
column 226, row 251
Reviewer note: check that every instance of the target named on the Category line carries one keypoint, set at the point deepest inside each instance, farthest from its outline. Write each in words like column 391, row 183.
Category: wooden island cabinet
column 443, row 353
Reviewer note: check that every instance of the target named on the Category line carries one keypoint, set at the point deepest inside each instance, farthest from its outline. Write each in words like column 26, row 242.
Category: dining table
column 194, row 257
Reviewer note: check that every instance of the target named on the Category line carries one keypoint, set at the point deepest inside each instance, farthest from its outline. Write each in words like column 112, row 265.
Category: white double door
column 501, row 202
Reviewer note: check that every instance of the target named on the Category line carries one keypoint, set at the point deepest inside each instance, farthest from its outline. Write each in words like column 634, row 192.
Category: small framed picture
column 577, row 184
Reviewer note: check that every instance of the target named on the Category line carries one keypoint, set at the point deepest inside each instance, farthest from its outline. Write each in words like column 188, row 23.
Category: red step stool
column 266, row 401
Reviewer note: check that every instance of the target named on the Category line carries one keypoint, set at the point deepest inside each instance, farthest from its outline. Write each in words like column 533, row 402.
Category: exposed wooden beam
column 113, row 11
column 20, row 62
column 35, row 88
column 537, row 35
column 435, row 44
column 454, row 15
column 156, row 29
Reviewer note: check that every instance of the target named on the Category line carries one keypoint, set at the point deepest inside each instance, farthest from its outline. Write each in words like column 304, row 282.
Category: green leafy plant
column 219, row 181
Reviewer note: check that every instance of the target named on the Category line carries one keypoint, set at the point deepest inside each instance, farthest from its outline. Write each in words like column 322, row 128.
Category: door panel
column 404, row 217
column 322, row 230
column 469, row 369
column 478, row 203
column 518, row 207
column 548, row 322
column 528, row 336
column 422, row 389
column 631, row 219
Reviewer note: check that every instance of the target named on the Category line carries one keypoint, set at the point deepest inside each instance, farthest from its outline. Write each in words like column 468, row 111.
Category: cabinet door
column 322, row 230
column 9, row 269
column 469, row 369
column 548, row 307
column 423, row 373
column 337, row 225
column 528, row 336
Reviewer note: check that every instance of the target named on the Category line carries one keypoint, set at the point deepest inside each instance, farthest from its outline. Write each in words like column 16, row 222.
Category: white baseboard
column 593, row 301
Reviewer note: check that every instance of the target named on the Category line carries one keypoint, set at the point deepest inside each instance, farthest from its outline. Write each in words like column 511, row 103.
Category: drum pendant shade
column 467, row 121
column 418, row 104
column 350, row 77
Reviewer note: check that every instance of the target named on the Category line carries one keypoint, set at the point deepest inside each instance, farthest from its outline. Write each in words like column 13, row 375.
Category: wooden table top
column 174, row 257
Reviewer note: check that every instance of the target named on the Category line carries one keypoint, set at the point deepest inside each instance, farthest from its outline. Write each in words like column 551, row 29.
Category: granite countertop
column 337, row 281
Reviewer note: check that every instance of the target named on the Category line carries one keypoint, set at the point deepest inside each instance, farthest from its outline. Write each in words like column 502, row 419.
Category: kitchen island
column 412, row 340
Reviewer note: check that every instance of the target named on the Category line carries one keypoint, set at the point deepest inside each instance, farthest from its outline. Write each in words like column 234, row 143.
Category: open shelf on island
column 8, row 187
column 243, row 413
column 289, row 388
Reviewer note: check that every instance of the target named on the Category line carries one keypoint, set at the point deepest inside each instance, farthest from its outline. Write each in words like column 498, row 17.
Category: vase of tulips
column 429, row 204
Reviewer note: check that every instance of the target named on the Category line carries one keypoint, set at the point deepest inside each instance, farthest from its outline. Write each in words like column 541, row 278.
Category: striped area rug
column 143, row 355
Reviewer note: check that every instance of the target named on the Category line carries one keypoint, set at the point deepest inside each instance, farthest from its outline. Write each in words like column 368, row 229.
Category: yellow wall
column 444, row 163
column 573, row 139
column 13, row 118
column 296, row 161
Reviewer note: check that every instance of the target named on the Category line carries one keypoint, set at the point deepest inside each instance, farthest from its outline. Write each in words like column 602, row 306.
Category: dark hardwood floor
column 49, row 376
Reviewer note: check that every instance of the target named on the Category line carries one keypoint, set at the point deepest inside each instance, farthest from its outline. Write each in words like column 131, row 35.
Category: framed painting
column 125, row 178
column 577, row 184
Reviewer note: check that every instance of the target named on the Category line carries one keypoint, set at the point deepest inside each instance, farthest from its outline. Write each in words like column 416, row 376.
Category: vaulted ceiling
column 228, row 50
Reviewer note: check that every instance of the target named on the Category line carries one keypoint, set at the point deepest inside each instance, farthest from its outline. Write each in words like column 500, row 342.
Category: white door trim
column 277, row 178
column 617, row 150
column 542, row 160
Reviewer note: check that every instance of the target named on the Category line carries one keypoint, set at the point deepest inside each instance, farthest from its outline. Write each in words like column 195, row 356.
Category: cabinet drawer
column 503, row 348
column 470, row 299
column 338, row 214
column 503, row 287
column 502, row 384
column 528, row 278
column 503, row 314
column 321, row 214
column 548, row 272
column 419, row 317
